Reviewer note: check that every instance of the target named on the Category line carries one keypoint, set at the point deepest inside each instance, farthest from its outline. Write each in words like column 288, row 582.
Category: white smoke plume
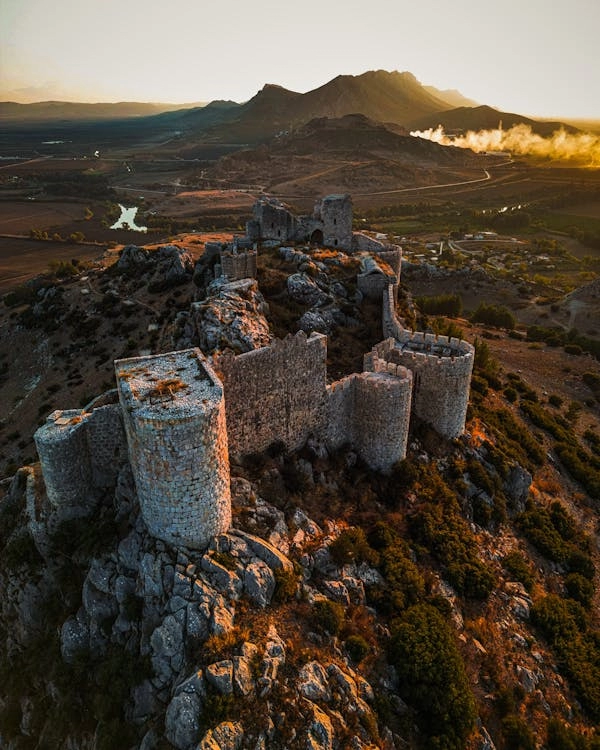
column 520, row 139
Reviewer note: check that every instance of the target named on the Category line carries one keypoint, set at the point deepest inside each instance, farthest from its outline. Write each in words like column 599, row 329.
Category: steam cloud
column 520, row 139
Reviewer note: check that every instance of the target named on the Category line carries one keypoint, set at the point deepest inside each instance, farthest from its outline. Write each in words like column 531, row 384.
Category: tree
column 432, row 677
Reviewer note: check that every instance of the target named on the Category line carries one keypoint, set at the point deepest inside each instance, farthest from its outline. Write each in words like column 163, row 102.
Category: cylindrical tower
column 62, row 446
column 174, row 416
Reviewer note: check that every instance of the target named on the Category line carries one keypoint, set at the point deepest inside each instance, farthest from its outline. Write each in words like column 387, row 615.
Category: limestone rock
column 337, row 591
column 132, row 258
column 151, row 574
column 222, row 615
column 174, row 263
column 225, row 581
column 74, row 637
column 259, row 583
column 182, row 721
column 233, row 317
column 528, row 679
column 312, row 682
column 145, row 703
column 301, row 288
column 220, row 676
column 516, row 487
column 129, row 551
column 322, row 321
column 320, row 730
column 225, row 736
column 243, row 681
column 99, row 607
column 265, row 551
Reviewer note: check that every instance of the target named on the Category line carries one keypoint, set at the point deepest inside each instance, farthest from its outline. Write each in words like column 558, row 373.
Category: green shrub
column 517, row 734
column 432, row 677
column 357, row 648
column 574, row 349
column 562, row 737
column 581, row 467
column 446, row 535
column 510, row 394
column 563, row 623
column 286, row 585
column 494, row 315
column 441, row 304
column 328, row 615
column 516, row 564
column 580, row 589
column 592, row 380
column 351, row 546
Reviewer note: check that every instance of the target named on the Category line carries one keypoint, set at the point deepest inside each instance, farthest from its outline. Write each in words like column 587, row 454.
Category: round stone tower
column 174, row 416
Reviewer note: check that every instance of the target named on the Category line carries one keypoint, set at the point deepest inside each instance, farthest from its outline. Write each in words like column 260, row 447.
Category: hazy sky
column 527, row 56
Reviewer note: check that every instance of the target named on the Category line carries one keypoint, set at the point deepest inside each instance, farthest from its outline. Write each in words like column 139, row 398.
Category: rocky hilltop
column 450, row 602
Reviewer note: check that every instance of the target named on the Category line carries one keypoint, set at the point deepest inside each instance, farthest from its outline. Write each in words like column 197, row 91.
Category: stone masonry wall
column 336, row 214
column 441, row 370
column 276, row 393
column 371, row 411
column 177, row 440
column 237, row 266
column 62, row 446
column 274, row 221
column 392, row 328
column 107, row 444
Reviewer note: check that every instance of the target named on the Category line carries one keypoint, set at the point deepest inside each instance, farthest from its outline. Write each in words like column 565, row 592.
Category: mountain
column 54, row 110
column 379, row 95
column 452, row 96
column 484, row 118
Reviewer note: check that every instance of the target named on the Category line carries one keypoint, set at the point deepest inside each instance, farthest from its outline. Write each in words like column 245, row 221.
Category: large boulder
column 233, row 316
column 301, row 288
column 182, row 721
column 227, row 735
column 259, row 583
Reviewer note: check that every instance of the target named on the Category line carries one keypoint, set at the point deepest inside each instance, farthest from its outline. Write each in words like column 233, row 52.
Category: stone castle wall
column 62, row 446
column 81, row 452
column 336, row 215
column 177, row 441
column 371, row 411
column 441, row 369
column 276, row 393
column 106, row 439
column 392, row 328
column 238, row 265
column 271, row 221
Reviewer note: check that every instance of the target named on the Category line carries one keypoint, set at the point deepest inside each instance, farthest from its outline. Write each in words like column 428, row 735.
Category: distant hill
column 347, row 154
column 50, row 111
column 483, row 118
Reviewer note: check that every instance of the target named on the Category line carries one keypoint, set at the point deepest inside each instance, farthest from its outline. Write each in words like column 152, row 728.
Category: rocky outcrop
column 168, row 264
column 232, row 316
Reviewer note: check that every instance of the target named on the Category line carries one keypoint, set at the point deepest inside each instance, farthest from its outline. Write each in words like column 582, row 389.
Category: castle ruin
column 176, row 420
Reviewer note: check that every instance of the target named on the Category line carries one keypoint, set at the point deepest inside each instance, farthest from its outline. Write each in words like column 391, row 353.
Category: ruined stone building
column 176, row 419
column 330, row 224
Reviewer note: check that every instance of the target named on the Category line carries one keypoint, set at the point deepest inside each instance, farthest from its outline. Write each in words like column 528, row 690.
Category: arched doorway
column 316, row 238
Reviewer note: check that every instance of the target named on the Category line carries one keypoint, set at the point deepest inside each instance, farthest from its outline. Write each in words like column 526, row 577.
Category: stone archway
column 316, row 238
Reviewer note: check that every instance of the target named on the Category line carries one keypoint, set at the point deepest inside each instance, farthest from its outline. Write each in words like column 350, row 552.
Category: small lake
column 127, row 220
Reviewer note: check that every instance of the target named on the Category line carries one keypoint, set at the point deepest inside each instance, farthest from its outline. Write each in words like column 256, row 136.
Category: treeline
column 559, row 337
column 76, row 184
column 494, row 315
column 441, row 304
